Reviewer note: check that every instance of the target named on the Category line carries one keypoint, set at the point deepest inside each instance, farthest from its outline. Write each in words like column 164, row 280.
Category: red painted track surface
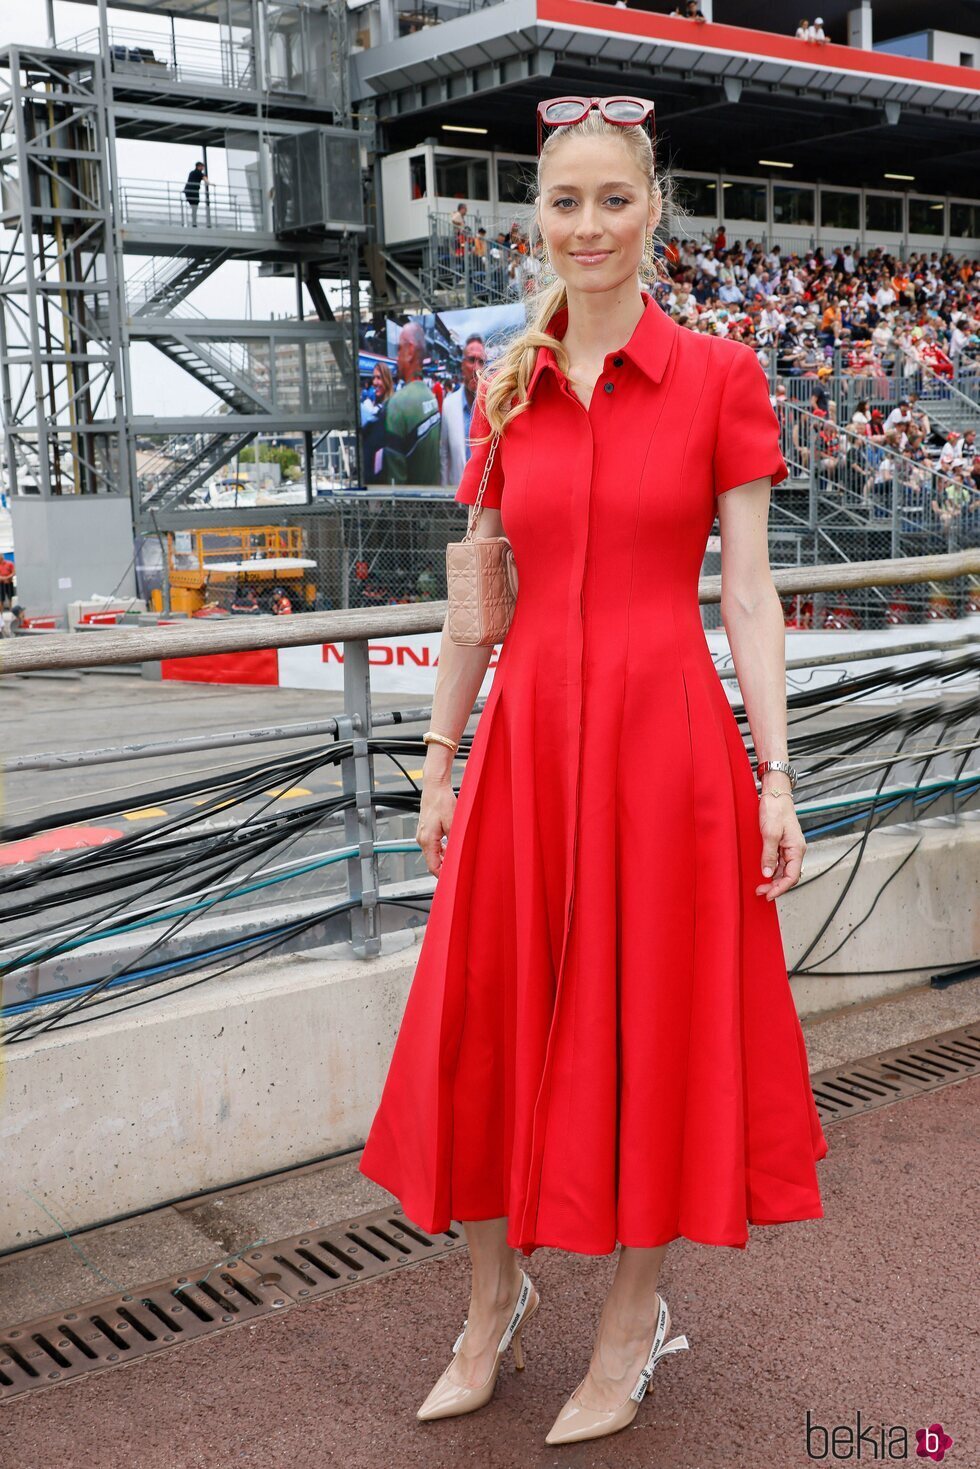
column 867, row 1310
column 63, row 839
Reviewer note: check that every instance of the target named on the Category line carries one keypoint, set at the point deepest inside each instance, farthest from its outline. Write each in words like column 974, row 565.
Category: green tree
column 286, row 458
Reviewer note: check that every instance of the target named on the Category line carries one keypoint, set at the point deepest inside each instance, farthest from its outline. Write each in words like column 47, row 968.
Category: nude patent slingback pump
column 450, row 1398
column 575, row 1421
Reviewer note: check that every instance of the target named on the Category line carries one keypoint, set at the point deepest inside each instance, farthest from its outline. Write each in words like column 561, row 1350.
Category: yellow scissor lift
column 201, row 561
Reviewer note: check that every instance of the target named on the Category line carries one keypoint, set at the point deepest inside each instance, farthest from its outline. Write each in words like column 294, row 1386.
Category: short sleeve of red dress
column 747, row 444
column 475, row 465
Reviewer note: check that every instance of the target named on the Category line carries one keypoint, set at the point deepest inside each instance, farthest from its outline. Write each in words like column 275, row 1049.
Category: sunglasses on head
column 627, row 112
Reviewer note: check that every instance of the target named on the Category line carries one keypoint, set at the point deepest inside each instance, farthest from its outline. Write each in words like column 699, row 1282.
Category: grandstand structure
column 866, row 143
column 351, row 134
column 783, row 141
column 96, row 261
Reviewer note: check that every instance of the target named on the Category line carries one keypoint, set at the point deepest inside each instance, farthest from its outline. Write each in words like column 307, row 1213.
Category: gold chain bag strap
column 481, row 576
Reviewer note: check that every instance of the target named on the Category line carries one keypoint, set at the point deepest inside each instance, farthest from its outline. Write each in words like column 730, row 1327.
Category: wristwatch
column 765, row 765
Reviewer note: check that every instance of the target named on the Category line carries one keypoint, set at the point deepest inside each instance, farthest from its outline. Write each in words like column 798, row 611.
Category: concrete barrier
column 283, row 1061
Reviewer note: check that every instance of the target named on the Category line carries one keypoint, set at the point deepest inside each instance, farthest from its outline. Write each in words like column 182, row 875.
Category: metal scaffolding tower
column 271, row 89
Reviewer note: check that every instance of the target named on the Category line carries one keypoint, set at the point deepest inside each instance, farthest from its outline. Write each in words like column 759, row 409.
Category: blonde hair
column 511, row 372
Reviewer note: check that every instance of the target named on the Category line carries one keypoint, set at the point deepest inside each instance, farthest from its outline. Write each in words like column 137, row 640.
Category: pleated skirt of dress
column 636, row 1072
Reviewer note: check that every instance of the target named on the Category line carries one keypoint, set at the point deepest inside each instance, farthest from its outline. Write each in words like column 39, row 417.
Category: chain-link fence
column 360, row 551
column 846, row 500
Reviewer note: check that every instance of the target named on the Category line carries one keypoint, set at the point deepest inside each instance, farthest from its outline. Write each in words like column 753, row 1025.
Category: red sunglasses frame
column 587, row 104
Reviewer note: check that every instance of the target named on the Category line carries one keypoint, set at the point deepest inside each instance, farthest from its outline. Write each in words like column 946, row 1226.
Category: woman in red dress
column 600, row 1045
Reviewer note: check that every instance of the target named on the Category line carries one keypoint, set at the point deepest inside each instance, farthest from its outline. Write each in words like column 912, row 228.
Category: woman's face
column 594, row 211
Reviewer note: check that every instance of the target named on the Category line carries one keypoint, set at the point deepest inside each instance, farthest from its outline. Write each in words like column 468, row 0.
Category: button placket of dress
column 533, row 1194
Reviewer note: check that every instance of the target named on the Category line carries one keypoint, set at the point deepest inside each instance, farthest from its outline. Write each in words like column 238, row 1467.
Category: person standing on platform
column 192, row 189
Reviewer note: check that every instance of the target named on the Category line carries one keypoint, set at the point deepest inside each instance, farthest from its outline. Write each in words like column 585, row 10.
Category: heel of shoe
column 660, row 1349
column 516, row 1341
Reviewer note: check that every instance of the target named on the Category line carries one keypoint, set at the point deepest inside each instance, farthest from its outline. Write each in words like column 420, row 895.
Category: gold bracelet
column 430, row 737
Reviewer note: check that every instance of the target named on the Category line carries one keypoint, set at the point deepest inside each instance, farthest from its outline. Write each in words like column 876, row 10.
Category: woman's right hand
column 435, row 819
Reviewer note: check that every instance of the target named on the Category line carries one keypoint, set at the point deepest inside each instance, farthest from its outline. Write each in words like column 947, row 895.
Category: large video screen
column 418, row 379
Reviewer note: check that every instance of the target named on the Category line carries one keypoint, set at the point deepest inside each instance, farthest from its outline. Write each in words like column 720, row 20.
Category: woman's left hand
column 783, row 845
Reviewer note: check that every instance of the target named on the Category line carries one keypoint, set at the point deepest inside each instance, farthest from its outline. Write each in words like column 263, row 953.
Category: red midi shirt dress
column 600, row 1041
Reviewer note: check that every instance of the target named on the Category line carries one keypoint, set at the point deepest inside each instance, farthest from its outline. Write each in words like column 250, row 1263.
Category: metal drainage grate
column 907, row 1071
column 53, row 1349
column 49, row 1351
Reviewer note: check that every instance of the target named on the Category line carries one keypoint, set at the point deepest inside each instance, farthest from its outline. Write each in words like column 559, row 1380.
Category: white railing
column 150, row 56
column 151, row 201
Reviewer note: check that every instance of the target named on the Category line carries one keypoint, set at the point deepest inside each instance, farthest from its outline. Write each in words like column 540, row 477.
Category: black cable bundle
column 179, row 860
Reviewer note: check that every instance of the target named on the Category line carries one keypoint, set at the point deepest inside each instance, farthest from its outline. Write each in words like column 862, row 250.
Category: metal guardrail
column 148, row 56
column 151, row 201
column 355, row 728
column 354, row 627
column 232, row 739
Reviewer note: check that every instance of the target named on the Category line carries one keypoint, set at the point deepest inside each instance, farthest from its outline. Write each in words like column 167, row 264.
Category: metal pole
column 360, row 826
column 118, row 334
column 164, row 564
column 7, row 406
column 46, row 430
column 354, row 316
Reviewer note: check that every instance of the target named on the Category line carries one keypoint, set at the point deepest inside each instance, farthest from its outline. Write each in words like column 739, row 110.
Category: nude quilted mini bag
column 481, row 576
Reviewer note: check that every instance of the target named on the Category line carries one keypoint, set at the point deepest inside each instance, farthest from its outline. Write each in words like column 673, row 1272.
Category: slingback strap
column 524, row 1295
column 658, row 1350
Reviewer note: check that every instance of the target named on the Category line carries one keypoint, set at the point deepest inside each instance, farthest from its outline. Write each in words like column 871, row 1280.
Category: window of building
column 839, row 210
column 792, row 204
column 927, row 217
column 744, row 200
column 697, row 196
column 883, row 212
column 515, row 181
column 964, row 220
column 416, row 167
column 459, row 177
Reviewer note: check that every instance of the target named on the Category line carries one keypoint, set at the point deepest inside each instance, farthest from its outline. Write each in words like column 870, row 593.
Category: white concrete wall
column 71, row 546
column 284, row 1061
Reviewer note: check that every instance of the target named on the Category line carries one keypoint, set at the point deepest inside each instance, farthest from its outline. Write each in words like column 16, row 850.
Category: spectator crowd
column 874, row 309
column 824, row 315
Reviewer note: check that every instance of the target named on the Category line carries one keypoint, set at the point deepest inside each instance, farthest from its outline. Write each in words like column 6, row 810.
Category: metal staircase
column 159, row 287
column 949, row 407
column 217, row 368
column 392, row 277
column 192, row 472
